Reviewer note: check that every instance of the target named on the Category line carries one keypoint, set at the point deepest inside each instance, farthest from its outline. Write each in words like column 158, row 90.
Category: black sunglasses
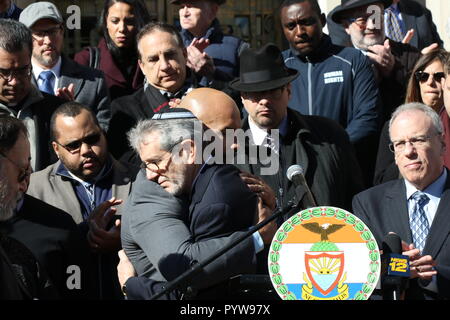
column 75, row 146
column 424, row 76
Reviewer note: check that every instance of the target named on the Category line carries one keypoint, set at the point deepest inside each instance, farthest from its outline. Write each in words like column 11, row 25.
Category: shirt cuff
column 258, row 242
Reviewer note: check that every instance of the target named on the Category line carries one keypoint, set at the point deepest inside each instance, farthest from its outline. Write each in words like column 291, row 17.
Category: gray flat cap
column 40, row 10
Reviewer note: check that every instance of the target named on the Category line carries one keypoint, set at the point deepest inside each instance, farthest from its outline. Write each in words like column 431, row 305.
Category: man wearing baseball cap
column 211, row 54
column 56, row 74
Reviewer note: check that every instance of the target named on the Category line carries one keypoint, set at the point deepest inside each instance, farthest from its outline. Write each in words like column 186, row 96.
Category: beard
column 363, row 43
column 7, row 207
column 49, row 60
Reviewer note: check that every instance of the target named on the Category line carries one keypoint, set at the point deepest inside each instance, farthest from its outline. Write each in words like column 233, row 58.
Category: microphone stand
column 195, row 269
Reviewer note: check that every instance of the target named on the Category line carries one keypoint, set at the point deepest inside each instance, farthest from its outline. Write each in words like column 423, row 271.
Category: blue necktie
column 418, row 220
column 393, row 29
column 46, row 84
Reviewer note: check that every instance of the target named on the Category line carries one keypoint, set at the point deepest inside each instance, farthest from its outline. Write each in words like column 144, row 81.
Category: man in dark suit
column 326, row 156
column 55, row 73
column 18, row 97
column 416, row 207
column 414, row 16
column 35, row 230
column 218, row 204
column 162, row 59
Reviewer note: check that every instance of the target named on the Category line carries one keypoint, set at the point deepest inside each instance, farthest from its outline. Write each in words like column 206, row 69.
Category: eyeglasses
column 362, row 21
column 416, row 142
column 75, row 146
column 154, row 165
column 8, row 74
column 39, row 35
column 424, row 76
column 24, row 172
column 256, row 96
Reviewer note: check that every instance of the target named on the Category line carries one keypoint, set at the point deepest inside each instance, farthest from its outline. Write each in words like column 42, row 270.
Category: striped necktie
column 392, row 26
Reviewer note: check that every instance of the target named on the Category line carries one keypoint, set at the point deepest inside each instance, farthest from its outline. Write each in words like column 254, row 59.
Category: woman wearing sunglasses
column 424, row 86
column 425, row 82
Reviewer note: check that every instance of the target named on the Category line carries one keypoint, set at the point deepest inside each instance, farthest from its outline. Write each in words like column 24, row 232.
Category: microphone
column 295, row 174
column 394, row 266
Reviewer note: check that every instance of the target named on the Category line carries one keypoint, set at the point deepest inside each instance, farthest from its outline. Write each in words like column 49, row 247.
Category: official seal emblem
column 324, row 253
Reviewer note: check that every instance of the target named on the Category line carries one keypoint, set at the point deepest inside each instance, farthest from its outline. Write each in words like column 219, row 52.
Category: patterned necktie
column 270, row 143
column 418, row 220
column 46, row 84
column 392, row 26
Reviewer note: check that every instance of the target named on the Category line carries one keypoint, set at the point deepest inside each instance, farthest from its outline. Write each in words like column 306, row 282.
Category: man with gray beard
column 21, row 276
column 48, row 235
column 392, row 60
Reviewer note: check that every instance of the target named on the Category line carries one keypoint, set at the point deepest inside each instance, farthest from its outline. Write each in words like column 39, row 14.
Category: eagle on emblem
column 324, row 230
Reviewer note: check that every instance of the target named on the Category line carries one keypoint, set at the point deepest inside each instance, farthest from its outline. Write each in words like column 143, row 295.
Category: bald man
column 219, row 112
column 163, row 224
column 214, row 108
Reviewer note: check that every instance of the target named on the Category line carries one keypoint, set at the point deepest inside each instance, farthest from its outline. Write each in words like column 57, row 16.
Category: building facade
column 256, row 21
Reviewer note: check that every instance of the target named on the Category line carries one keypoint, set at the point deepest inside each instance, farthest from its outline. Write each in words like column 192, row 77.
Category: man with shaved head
column 156, row 223
column 214, row 108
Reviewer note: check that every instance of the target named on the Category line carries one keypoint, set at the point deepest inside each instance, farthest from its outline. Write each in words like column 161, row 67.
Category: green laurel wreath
column 330, row 212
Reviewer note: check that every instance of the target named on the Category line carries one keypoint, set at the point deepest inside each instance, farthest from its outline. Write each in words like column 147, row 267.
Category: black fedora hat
column 262, row 69
column 352, row 4
column 219, row 2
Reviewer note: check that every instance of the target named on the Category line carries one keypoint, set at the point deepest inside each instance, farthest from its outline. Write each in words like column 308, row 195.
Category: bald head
column 213, row 107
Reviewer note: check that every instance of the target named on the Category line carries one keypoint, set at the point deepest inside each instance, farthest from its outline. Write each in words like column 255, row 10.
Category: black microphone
column 394, row 268
column 295, row 174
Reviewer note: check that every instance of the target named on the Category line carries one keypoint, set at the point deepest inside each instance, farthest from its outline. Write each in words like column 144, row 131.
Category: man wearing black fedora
column 393, row 60
column 336, row 82
column 316, row 143
column 411, row 16
column 211, row 53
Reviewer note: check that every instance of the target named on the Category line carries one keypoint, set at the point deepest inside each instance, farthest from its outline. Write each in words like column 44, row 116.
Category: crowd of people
column 138, row 159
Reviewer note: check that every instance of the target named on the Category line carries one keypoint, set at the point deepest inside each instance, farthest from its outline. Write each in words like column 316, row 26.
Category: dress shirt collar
column 56, row 69
column 259, row 135
column 433, row 191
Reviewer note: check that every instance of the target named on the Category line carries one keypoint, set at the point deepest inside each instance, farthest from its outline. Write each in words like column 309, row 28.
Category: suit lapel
column 70, row 75
column 396, row 211
column 67, row 192
column 440, row 228
column 121, row 183
column 200, row 185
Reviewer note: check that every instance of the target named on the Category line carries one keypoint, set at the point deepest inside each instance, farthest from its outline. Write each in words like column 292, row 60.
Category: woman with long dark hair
column 425, row 86
column 116, row 54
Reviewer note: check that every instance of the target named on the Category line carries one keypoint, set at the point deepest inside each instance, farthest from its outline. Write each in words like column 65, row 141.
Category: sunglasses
column 424, row 76
column 75, row 146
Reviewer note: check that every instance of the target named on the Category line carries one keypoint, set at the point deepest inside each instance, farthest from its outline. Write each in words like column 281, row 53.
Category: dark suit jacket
column 127, row 111
column 119, row 84
column 90, row 88
column 220, row 204
column 52, row 236
column 415, row 16
column 39, row 107
column 383, row 209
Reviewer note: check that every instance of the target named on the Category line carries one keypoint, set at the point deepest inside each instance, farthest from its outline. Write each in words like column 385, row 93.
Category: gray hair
column 429, row 112
column 15, row 36
column 151, row 27
column 171, row 132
